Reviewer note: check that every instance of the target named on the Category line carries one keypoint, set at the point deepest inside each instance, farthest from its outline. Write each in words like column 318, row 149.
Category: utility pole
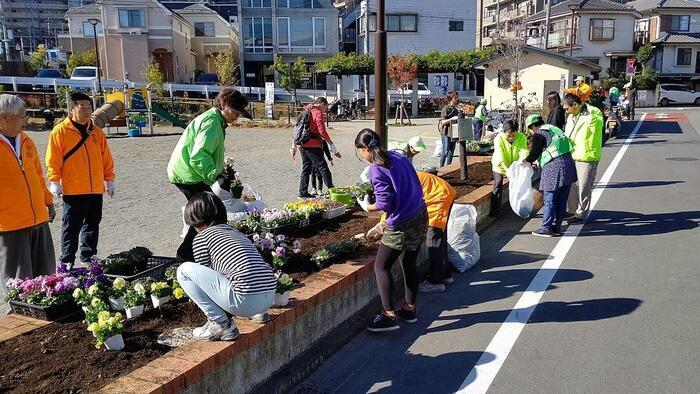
column 380, row 76
column 366, row 77
column 546, row 24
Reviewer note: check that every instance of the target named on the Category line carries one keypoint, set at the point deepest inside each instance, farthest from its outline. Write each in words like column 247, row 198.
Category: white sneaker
column 449, row 280
column 212, row 331
column 314, row 192
column 427, row 287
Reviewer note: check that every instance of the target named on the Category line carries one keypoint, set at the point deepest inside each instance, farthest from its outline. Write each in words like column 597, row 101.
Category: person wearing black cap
column 198, row 158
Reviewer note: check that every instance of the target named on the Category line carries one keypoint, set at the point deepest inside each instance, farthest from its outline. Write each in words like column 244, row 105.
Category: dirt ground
column 146, row 210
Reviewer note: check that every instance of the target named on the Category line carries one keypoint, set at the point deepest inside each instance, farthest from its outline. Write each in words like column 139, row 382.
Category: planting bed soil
column 61, row 357
column 479, row 174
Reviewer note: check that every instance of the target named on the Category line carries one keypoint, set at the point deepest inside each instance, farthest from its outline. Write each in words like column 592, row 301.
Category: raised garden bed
column 479, row 174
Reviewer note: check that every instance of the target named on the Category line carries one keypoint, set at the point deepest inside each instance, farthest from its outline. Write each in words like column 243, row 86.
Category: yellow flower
column 92, row 290
column 102, row 317
column 119, row 283
column 95, row 302
column 139, row 288
column 77, row 293
column 178, row 293
column 93, row 327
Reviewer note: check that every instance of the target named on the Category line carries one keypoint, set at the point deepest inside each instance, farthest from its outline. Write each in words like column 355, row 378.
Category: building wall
column 432, row 26
column 669, row 59
column 623, row 38
column 694, row 19
column 225, row 39
column 537, row 69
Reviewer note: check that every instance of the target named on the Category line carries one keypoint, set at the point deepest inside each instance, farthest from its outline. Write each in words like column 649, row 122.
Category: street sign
column 630, row 67
column 269, row 98
column 562, row 83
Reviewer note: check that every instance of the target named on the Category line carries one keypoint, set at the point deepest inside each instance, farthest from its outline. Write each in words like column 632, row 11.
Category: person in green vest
column 550, row 150
column 584, row 127
column 508, row 147
column 198, row 157
column 614, row 96
column 481, row 116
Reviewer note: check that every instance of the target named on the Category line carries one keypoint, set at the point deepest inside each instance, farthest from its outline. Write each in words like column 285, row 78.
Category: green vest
column 505, row 153
column 480, row 114
column 560, row 145
column 585, row 132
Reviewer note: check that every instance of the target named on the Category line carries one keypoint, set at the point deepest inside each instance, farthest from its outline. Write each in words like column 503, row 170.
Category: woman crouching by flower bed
column 228, row 274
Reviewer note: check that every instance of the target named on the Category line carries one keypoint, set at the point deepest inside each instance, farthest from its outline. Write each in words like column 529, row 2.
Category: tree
column 37, row 59
column 457, row 62
column 342, row 64
column 402, row 70
column 290, row 74
column 78, row 59
column 226, row 68
column 154, row 78
column 644, row 54
column 510, row 41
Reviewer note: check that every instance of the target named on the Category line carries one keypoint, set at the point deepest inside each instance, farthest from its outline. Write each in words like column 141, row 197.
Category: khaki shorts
column 409, row 235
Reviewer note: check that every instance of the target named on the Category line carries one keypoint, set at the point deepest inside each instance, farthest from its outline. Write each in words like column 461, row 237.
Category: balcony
column 641, row 38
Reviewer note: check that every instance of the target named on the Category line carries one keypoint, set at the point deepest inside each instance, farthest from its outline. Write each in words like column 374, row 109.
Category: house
column 541, row 72
column 603, row 32
column 131, row 35
column 495, row 14
column 290, row 28
column 228, row 9
column 212, row 34
column 672, row 27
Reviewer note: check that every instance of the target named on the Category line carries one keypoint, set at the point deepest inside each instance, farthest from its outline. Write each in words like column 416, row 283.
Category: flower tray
column 155, row 270
column 286, row 229
column 311, row 221
column 48, row 313
column 334, row 213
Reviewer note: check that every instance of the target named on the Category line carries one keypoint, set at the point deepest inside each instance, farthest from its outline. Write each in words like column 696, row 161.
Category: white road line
column 484, row 372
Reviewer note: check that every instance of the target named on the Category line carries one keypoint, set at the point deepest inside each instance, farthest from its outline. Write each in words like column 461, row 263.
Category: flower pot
column 133, row 312
column 281, row 299
column 236, row 191
column 117, row 304
column 115, row 342
column 157, row 302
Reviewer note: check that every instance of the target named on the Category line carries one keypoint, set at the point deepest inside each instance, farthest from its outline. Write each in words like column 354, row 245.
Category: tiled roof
column 674, row 38
column 559, row 56
column 584, row 5
column 645, row 5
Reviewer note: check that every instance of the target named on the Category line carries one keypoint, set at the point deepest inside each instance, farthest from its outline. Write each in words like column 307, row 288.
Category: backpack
column 302, row 129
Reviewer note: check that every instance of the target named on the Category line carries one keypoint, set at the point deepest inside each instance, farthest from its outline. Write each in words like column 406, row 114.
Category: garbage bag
column 520, row 188
column 438, row 149
column 233, row 205
column 463, row 250
column 258, row 204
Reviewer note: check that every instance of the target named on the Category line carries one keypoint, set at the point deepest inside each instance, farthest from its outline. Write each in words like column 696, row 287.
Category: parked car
column 407, row 91
column 208, row 79
column 47, row 73
column 671, row 93
column 84, row 73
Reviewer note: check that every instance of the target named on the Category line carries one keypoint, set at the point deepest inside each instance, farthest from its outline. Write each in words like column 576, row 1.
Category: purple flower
column 280, row 251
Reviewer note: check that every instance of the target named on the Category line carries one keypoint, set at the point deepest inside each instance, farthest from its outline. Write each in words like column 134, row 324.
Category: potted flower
column 277, row 220
column 108, row 330
column 284, row 287
column 84, row 297
column 116, row 294
column 178, row 291
column 95, row 306
column 274, row 249
column 233, row 178
column 134, row 301
column 160, row 293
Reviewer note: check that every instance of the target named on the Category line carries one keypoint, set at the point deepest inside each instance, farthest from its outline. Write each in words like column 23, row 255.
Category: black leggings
column 386, row 257
column 185, row 250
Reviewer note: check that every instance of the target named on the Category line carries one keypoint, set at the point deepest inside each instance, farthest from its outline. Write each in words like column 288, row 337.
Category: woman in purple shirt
column 398, row 193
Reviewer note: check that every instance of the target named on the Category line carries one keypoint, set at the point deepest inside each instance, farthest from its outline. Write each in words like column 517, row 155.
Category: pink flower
column 280, row 251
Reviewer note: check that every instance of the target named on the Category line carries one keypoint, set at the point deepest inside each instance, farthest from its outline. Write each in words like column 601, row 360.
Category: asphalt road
column 618, row 312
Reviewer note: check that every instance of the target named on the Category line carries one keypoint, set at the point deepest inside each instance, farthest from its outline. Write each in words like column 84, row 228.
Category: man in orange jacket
column 80, row 169
column 26, row 206
column 439, row 196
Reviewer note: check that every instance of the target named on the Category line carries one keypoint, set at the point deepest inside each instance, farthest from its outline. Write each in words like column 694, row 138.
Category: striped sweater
column 227, row 251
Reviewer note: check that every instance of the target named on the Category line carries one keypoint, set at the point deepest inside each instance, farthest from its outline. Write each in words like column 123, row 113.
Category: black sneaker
column 383, row 323
column 543, row 233
column 406, row 315
column 306, row 195
column 556, row 233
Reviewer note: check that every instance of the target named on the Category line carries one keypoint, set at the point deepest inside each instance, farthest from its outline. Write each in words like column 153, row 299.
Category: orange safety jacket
column 23, row 191
column 87, row 169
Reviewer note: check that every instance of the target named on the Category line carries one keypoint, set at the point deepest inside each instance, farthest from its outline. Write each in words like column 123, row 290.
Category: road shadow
column 611, row 223
column 545, row 312
column 658, row 127
column 636, row 184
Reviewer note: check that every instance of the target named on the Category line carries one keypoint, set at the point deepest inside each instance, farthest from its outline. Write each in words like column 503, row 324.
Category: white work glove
column 376, row 231
column 56, row 189
column 334, row 150
column 111, row 188
column 364, row 203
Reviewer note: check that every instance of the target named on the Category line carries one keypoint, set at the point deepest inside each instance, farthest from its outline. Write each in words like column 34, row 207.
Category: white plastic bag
column 520, row 188
column 258, row 204
column 233, row 205
column 463, row 250
column 438, row 149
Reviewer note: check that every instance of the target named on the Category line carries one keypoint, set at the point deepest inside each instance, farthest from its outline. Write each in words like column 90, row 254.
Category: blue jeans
column 448, row 151
column 555, row 208
column 213, row 294
column 478, row 127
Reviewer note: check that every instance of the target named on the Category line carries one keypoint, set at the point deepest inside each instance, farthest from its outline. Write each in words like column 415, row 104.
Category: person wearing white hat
column 414, row 146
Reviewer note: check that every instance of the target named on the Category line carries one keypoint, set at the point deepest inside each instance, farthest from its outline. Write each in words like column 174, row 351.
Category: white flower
column 92, row 290
column 139, row 288
column 281, row 238
column 256, row 237
column 269, row 237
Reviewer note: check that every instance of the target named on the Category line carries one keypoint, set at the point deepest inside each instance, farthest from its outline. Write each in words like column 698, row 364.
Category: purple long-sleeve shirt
column 397, row 190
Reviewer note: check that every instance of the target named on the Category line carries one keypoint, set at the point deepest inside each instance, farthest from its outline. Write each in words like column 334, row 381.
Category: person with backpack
column 198, row 158
column 316, row 177
column 80, row 170
column 398, row 193
column 308, row 136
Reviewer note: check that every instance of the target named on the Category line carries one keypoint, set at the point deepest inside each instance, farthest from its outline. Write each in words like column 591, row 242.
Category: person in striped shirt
column 228, row 274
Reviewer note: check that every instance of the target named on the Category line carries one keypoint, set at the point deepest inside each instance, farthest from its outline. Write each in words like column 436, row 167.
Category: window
column 559, row 34
column 684, row 56
column 456, row 25
column 257, row 35
column 132, row 18
column 301, row 34
column 299, row 4
column 504, row 79
column 602, row 29
column 680, row 22
column 204, row 29
column 258, row 3
column 88, row 31
column 396, row 22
